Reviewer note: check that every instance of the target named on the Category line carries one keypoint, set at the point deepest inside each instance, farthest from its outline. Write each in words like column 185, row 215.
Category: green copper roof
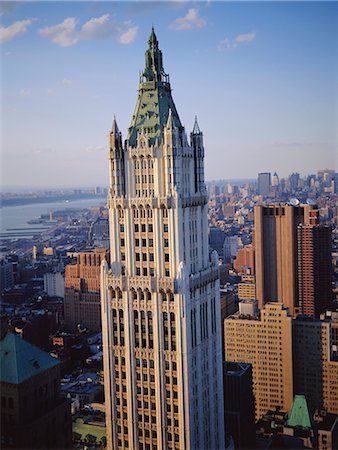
column 21, row 360
column 154, row 98
column 299, row 416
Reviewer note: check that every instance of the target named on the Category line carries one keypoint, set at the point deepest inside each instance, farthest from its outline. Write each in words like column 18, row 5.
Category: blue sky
column 261, row 77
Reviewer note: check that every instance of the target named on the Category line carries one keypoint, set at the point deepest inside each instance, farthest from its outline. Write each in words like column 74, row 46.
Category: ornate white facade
column 160, row 297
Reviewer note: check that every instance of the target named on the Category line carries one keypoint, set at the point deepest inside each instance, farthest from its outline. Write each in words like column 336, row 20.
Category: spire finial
column 196, row 129
column 114, row 127
column 152, row 38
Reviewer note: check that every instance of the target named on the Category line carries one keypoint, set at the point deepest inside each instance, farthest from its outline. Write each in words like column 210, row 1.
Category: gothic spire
column 153, row 42
column 153, row 70
column 154, row 99
column 114, row 127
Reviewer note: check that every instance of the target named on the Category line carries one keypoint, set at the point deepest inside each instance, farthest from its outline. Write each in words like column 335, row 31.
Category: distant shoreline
column 18, row 201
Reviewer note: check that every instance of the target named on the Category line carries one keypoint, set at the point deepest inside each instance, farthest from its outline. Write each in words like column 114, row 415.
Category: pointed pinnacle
column 196, row 129
column 170, row 120
column 114, row 127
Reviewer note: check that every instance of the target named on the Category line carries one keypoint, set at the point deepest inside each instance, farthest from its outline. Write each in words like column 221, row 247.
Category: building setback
column 160, row 296
column 34, row 415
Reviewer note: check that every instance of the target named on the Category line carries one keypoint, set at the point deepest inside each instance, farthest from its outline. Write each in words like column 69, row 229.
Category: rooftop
column 21, row 360
column 328, row 423
column 300, row 415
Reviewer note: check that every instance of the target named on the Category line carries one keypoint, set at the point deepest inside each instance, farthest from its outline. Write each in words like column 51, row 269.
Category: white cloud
column 240, row 39
column 25, row 93
column 67, row 33
column 95, row 27
column 63, row 34
column 19, row 27
column 128, row 36
column 191, row 20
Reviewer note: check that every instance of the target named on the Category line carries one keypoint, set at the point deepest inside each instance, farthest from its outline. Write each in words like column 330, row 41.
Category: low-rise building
column 34, row 414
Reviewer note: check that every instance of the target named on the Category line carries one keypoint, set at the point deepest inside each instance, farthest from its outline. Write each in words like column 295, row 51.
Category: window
column 151, row 256
column 137, row 257
column 136, row 227
column 143, row 227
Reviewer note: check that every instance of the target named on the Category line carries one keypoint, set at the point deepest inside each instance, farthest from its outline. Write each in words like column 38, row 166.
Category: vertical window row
column 193, row 327
column 121, row 401
column 204, row 321
column 169, row 331
column 118, row 327
column 143, row 329
column 171, row 399
column 166, row 241
column 144, row 177
column 122, row 239
column 144, row 241
column 213, row 315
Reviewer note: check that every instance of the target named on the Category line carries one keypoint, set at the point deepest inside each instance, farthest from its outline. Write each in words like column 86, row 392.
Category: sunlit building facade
column 160, row 295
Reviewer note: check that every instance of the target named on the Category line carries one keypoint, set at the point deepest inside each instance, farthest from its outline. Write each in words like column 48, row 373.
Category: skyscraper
column 276, row 252
column 293, row 258
column 314, row 269
column 160, row 296
column 275, row 180
column 82, row 291
column 264, row 183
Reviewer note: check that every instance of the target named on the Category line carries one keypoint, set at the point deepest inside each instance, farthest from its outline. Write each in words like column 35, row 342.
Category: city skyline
column 261, row 79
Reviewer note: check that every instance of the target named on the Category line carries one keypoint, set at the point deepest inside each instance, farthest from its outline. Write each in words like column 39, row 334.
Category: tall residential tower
column 160, row 296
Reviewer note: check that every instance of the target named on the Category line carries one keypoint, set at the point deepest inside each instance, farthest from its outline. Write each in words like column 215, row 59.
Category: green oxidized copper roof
column 299, row 416
column 154, row 99
column 21, row 360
